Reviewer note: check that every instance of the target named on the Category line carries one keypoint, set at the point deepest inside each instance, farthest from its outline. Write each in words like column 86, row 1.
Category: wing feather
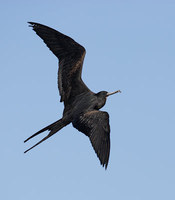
column 71, row 56
column 95, row 124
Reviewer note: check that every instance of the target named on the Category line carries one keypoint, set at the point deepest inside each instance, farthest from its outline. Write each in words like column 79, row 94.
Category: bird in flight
column 81, row 105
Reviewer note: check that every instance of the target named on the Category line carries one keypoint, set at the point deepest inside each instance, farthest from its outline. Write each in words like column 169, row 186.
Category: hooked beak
column 110, row 93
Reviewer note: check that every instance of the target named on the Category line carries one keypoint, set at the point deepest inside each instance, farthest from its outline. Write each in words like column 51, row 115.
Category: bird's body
column 81, row 105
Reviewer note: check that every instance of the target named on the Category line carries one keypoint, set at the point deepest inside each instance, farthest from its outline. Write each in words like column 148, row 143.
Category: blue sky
column 130, row 46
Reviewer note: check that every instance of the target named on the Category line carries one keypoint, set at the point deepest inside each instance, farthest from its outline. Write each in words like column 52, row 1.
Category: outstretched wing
column 71, row 56
column 95, row 124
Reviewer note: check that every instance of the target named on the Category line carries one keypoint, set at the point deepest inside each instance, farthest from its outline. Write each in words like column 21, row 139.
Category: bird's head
column 102, row 96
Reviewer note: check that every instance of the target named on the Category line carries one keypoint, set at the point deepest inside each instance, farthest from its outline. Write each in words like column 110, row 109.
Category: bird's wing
column 95, row 124
column 71, row 56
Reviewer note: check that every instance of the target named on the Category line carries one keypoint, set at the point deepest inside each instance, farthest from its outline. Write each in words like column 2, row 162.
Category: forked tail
column 53, row 128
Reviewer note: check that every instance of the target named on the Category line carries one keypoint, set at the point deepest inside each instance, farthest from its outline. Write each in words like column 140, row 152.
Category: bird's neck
column 100, row 102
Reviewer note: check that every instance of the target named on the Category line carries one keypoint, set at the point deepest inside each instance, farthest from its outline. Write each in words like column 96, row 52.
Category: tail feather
column 50, row 127
column 54, row 127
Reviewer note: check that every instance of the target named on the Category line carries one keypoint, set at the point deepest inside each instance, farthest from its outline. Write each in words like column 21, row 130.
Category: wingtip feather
column 30, row 24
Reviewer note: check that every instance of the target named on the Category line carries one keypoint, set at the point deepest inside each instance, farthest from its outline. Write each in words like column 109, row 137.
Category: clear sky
column 131, row 47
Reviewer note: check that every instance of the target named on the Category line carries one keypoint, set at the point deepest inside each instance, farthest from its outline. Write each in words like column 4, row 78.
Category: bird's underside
column 82, row 112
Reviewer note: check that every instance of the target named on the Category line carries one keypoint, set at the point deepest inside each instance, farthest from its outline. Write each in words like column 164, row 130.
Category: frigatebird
column 81, row 105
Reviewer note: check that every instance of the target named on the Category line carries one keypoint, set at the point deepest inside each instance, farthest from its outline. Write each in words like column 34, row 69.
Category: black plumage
column 81, row 105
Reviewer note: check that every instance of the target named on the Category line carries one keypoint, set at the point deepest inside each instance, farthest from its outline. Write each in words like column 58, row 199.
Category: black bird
column 81, row 105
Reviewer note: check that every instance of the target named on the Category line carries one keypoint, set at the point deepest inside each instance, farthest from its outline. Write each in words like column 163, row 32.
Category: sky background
column 131, row 47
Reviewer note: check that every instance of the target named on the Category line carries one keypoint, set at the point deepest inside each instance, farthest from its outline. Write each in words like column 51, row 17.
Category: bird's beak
column 110, row 93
